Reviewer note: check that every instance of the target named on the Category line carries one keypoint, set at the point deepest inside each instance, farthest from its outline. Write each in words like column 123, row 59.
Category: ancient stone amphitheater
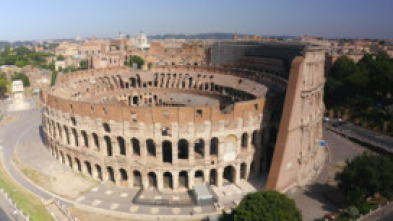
column 171, row 128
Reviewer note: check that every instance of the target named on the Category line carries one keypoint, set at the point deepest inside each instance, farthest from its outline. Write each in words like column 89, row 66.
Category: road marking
column 133, row 209
column 96, row 202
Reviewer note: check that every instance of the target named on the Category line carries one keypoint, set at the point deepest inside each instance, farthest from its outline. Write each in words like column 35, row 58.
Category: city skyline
column 40, row 20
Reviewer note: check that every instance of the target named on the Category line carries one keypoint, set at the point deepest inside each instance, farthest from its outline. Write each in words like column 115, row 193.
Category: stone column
column 104, row 173
column 130, row 174
column 127, row 143
column 160, row 181
column 237, row 174
column 191, row 178
column 206, row 175
column 159, row 152
column 115, row 146
column 220, row 172
column 143, row 151
column 221, row 147
column 101, row 145
column 238, row 146
column 175, row 177
column 175, row 159
column 145, row 180
column 249, row 141
column 191, row 155
column 207, row 152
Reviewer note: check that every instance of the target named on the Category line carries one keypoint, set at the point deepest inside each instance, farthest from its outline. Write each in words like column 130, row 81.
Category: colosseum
column 252, row 120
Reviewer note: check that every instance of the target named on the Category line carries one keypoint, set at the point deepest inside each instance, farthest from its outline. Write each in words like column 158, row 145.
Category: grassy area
column 27, row 202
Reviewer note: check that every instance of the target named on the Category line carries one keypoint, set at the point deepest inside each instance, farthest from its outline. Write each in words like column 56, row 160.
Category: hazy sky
column 48, row 19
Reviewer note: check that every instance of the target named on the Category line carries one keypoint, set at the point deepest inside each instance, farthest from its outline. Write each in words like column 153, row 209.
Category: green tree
column 3, row 85
column 366, row 175
column 137, row 60
column 23, row 77
column 83, row 65
column 265, row 206
column 60, row 58
column 54, row 77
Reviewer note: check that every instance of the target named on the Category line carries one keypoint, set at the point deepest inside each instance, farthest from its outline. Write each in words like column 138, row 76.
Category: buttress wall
column 298, row 156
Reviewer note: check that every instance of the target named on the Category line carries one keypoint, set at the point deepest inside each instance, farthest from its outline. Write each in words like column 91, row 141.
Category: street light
column 16, row 214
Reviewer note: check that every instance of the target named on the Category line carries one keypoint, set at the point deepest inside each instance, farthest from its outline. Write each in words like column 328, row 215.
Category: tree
column 83, row 65
column 137, row 60
column 3, row 86
column 60, row 58
column 366, row 175
column 23, row 77
column 54, row 77
column 265, row 206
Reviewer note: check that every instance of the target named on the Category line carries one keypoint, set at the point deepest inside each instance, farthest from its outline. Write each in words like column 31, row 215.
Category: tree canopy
column 22, row 56
column 366, row 175
column 3, row 84
column 265, row 206
column 137, row 60
column 364, row 88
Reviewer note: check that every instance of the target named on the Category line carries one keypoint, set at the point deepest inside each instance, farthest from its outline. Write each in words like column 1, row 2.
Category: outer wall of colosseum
column 298, row 157
column 164, row 147
column 173, row 148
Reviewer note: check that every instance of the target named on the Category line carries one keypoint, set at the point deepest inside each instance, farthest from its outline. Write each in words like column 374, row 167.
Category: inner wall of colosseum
column 168, row 128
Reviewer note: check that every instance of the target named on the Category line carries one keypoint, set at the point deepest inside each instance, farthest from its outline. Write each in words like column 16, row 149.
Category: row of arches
column 183, row 149
column 167, row 180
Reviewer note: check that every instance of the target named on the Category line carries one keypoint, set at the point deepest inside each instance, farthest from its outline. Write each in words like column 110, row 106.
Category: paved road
column 10, row 134
column 317, row 199
column 367, row 135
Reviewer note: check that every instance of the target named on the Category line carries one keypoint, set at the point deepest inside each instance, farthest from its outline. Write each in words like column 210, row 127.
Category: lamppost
column 16, row 212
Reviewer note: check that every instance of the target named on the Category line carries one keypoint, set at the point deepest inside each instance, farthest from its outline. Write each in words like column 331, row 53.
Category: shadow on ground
column 329, row 196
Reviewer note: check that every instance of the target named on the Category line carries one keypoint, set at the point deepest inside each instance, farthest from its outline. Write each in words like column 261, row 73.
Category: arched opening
column 168, row 181
column 244, row 141
column 99, row 171
column 152, row 177
column 199, row 149
column 229, row 174
column 60, row 132
column 123, row 175
column 183, row 179
column 78, row 164
column 167, row 151
column 137, row 179
column 88, row 168
column 111, row 174
column 252, row 168
column 243, row 171
column 256, row 138
column 213, row 177
column 199, row 176
column 69, row 160
column 67, row 134
column 135, row 100
column 182, row 149
column 108, row 142
column 151, row 147
column 122, row 146
column 85, row 139
column 96, row 141
column 214, row 147
column 136, row 149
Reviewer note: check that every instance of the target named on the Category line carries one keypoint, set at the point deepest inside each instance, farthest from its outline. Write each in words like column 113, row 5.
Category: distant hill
column 219, row 36
column 3, row 44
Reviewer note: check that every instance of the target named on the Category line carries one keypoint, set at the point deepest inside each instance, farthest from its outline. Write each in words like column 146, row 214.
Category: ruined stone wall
column 298, row 157
column 145, row 147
